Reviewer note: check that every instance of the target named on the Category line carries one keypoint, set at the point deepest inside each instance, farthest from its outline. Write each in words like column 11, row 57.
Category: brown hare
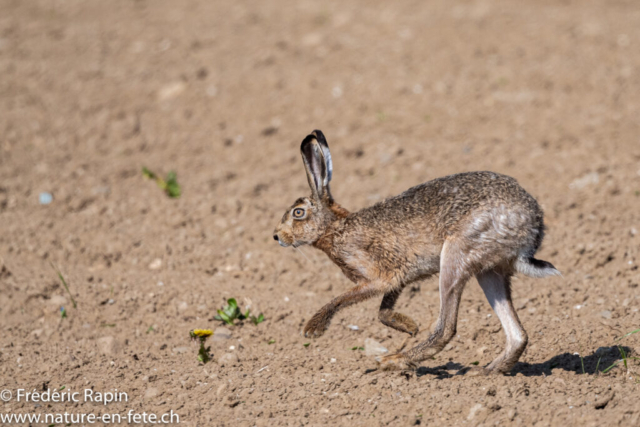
column 480, row 224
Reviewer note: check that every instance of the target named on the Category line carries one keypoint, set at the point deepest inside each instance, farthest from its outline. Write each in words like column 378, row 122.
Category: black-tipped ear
column 316, row 164
column 325, row 151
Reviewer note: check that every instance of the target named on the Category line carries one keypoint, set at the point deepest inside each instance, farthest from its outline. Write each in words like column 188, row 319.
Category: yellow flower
column 202, row 333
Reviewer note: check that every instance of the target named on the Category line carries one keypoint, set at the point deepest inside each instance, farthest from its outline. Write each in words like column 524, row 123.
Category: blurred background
column 222, row 93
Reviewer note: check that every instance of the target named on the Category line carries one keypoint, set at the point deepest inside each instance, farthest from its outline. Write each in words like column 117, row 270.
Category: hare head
column 309, row 218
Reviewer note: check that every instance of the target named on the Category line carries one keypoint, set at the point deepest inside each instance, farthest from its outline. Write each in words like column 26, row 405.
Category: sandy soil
column 223, row 93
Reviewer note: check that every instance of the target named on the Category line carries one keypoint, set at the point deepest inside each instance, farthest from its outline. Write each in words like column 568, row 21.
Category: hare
column 480, row 224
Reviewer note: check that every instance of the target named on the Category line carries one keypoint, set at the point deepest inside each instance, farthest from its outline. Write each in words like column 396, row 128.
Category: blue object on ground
column 45, row 198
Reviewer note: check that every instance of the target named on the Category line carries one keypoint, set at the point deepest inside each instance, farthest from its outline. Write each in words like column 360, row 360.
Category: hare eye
column 298, row 213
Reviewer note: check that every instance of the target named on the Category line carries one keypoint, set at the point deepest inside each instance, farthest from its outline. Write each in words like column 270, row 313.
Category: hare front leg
column 393, row 319
column 316, row 326
column 497, row 289
column 453, row 277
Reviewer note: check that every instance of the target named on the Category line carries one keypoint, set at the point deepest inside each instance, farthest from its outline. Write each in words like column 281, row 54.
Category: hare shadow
column 600, row 359
column 440, row 372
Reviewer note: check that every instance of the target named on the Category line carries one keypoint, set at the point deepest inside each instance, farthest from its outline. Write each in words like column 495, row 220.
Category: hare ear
column 317, row 164
column 325, row 151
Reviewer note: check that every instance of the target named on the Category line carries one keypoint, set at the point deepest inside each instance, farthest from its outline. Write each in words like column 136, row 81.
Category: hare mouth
column 283, row 244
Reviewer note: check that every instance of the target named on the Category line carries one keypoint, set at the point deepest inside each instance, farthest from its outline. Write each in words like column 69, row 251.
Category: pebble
column 155, row 264
column 353, row 327
column 373, row 348
column 606, row 314
column 228, row 359
column 474, row 409
column 585, row 180
column 221, row 334
column 171, row 90
column 107, row 345
column 45, row 198
column 150, row 393
column 180, row 350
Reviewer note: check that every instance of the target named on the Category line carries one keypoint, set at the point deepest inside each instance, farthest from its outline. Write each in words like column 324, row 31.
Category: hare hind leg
column 497, row 288
column 393, row 319
column 453, row 277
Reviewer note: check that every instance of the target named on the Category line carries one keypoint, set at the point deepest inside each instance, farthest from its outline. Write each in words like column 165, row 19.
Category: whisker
column 298, row 249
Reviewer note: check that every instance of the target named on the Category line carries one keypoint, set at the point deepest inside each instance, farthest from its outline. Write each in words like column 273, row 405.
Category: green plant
column 201, row 335
column 271, row 341
column 357, row 348
column 627, row 334
column 169, row 185
column 64, row 282
column 306, row 344
column 231, row 312
column 63, row 312
column 623, row 354
column 256, row 320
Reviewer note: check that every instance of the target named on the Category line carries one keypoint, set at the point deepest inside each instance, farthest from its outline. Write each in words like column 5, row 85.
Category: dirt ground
column 223, row 93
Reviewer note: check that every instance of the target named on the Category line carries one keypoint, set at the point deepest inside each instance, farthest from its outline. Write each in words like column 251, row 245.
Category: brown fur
column 470, row 224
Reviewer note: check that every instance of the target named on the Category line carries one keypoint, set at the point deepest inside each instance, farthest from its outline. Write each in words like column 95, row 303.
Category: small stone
column 511, row 414
column 155, row 264
column 221, row 334
column 374, row 348
column 180, row 350
column 221, row 389
column 171, row 90
column 481, row 351
column 606, row 314
column 107, row 345
column 585, row 180
column 353, row 327
column 183, row 306
column 150, row 393
column 45, row 198
column 474, row 409
column 228, row 359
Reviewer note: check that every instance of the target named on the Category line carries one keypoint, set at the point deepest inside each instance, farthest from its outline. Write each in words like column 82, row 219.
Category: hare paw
column 315, row 327
column 395, row 362
column 478, row 371
column 399, row 322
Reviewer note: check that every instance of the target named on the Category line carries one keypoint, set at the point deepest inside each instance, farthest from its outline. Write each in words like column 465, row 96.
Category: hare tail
column 535, row 268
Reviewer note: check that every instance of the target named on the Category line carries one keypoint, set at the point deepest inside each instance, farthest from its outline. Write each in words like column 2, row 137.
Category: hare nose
column 275, row 237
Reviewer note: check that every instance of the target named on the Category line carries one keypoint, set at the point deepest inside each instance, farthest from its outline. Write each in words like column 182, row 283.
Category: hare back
column 490, row 217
